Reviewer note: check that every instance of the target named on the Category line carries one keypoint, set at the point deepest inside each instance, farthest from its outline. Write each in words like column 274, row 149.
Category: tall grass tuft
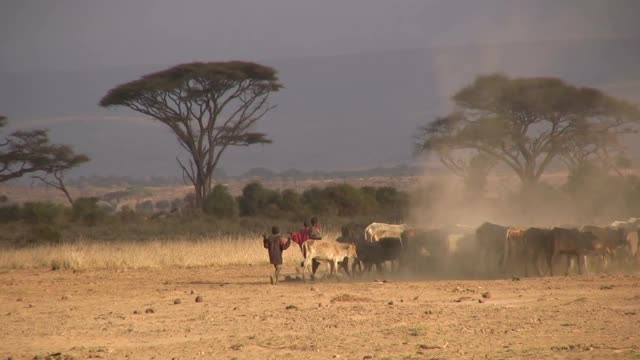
column 84, row 255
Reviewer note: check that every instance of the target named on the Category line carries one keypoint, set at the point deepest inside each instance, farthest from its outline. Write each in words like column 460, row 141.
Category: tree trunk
column 66, row 193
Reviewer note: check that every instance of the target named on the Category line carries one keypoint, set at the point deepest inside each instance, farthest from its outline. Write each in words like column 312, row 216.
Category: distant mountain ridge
column 336, row 112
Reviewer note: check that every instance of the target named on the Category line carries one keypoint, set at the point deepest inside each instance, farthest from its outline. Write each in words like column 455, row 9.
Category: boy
column 275, row 244
column 316, row 231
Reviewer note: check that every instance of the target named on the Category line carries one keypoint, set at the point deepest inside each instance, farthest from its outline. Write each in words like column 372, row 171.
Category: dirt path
column 91, row 315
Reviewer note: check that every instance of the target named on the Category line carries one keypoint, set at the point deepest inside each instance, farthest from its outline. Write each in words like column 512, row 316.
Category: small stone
column 390, row 303
column 291, row 307
column 149, row 311
column 313, row 288
column 480, row 301
column 177, row 301
column 19, row 299
column 199, row 299
column 367, row 357
column 515, row 278
column 192, row 292
column 65, row 297
column 486, row 295
column 136, row 312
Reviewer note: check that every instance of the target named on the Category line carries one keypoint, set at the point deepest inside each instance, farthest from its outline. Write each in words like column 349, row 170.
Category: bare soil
column 105, row 314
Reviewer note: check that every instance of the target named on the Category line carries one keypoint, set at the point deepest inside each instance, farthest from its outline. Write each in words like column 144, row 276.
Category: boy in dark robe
column 275, row 245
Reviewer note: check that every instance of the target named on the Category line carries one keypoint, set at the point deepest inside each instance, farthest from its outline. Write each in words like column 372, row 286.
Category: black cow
column 372, row 253
column 537, row 242
column 425, row 249
column 490, row 239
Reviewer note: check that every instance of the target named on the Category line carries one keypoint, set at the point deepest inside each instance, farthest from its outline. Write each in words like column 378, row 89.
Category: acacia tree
column 53, row 172
column 526, row 123
column 31, row 152
column 208, row 106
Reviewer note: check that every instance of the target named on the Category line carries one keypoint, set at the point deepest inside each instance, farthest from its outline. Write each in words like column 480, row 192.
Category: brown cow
column 608, row 240
column 514, row 248
column 571, row 242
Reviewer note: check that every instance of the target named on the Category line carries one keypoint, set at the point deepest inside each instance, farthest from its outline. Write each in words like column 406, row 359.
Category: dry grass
column 83, row 255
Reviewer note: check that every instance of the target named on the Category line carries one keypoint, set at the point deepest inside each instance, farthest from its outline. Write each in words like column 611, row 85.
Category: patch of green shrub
column 146, row 207
column 41, row 212
column 46, row 233
column 258, row 200
column 220, row 203
column 10, row 213
column 87, row 211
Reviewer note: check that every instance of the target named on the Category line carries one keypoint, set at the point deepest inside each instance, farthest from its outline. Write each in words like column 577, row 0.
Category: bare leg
column 276, row 274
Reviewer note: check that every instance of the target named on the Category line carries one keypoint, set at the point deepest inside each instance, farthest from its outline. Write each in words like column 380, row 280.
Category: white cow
column 376, row 231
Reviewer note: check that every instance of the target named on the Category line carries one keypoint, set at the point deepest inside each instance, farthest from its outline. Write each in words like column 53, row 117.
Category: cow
column 570, row 242
column 328, row 251
column 458, row 237
column 376, row 231
column 632, row 228
column 425, row 248
column 537, row 242
column 514, row 249
column 608, row 241
column 351, row 233
column 378, row 252
column 490, row 239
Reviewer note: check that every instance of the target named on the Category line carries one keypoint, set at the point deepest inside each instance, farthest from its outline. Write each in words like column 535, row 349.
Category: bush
column 257, row 200
column 41, row 212
column 10, row 213
column 220, row 203
column 145, row 207
column 317, row 202
column 392, row 202
column 126, row 214
column 346, row 199
column 46, row 233
column 163, row 205
column 291, row 201
column 87, row 211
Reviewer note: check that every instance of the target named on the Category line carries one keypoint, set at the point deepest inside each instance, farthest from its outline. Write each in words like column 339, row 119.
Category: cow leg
column 334, row 269
column 357, row 263
column 305, row 267
column 315, row 264
column 569, row 260
column 345, row 266
column 581, row 264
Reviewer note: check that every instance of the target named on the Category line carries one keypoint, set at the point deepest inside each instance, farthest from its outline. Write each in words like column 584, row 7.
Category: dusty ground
column 90, row 314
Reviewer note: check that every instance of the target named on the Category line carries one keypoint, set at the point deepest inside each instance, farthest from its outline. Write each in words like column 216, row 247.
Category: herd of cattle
column 489, row 249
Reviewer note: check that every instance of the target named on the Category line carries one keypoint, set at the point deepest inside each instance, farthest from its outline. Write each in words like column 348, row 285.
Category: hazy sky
column 348, row 101
column 72, row 34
